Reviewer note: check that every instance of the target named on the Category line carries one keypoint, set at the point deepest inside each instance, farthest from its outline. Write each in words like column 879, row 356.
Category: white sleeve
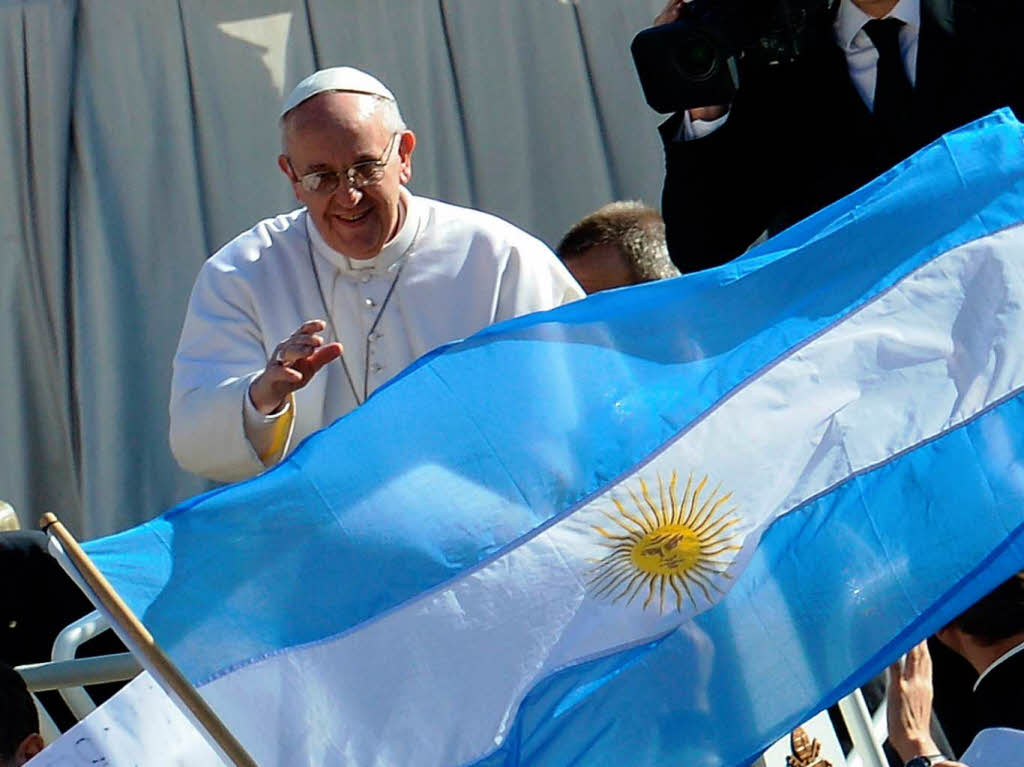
column 533, row 280
column 262, row 430
column 219, row 353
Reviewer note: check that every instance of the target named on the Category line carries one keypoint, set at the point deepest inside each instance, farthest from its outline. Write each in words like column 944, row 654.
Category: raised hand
column 292, row 365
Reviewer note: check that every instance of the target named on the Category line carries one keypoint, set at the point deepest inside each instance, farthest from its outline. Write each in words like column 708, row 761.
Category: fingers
column 270, row 389
column 671, row 12
column 299, row 345
column 324, row 355
column 291, row 365
column 295, row 348
column 917, row 663
column 308, row 366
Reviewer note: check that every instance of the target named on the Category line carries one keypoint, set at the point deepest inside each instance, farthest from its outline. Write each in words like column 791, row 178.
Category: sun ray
column 612, row 580
column 647, row 581
column 694, row 500
column 679, row 518
column 662, row 507
column 716, row 527
column 628, row 588
column 640, row 507
column 686, row 586
column 652, row 582
column 709, row 569
column 650, row 504
column 711, row 515
column 614, row 537
column 701, row 577
column 626, row 515
column 710, row 552
column 606, row 578
column 679, row 596
column 672, row 498
column 706, row 510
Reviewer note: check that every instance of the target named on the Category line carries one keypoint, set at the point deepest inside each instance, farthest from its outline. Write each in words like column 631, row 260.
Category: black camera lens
column 697, row 57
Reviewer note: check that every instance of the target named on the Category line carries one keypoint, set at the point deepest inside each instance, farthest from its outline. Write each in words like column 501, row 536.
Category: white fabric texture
column 457, row 271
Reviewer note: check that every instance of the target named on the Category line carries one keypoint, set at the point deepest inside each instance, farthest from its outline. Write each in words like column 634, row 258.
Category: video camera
column 696, row 61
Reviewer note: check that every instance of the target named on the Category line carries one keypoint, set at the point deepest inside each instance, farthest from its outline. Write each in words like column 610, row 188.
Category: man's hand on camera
column 708, row 113
column 673, row 11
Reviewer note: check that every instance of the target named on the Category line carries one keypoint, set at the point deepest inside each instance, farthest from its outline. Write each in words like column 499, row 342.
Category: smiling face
column 332, row 132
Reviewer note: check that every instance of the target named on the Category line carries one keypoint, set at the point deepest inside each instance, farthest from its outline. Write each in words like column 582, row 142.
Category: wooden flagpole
column 154, row 658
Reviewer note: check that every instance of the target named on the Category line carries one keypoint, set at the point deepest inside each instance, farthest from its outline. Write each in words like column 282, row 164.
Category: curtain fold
column 38, row 440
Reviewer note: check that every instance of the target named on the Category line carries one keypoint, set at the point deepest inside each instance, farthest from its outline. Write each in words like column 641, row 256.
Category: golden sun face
column 670, row 546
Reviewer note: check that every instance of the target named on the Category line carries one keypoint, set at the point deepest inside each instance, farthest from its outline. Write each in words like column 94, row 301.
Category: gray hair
column 390, row 115
column 637, row 230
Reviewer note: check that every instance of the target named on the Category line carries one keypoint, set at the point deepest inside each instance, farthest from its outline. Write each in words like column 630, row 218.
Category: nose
column 347, row 196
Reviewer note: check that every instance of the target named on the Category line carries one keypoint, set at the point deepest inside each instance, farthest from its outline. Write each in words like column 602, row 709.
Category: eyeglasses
column 357, row 176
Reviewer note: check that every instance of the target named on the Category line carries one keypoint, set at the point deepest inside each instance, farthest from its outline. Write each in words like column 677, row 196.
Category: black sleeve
column 716, row 199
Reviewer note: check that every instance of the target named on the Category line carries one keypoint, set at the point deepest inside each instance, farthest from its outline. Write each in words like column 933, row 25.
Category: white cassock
column 454, row 272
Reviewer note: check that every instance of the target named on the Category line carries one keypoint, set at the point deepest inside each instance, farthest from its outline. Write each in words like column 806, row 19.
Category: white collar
column 392, row 252
column 1006, row 655
column 850, row 19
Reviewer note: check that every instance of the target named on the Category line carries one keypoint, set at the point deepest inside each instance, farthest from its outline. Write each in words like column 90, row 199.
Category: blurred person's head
column 622, row 243
column 8, row 519
column 19, row 722
column 991, row 626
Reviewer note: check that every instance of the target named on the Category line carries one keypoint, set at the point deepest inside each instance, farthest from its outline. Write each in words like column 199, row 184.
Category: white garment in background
column 995, row 747
column 461, row 270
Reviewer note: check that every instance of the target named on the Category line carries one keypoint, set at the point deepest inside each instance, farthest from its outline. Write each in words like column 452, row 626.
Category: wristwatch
column 926, row 760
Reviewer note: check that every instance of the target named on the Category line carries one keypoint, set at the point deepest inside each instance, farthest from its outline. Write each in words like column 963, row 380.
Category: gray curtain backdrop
column 138, row 137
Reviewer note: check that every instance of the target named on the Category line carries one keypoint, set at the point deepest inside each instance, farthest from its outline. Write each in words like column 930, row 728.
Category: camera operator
column 869, row 83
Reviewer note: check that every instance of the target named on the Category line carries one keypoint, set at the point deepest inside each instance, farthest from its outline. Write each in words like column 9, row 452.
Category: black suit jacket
column 999, row 697
column 799, row 136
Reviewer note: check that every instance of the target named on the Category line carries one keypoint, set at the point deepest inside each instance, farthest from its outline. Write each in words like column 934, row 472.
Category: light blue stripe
column 840, row 587
column 460, row 458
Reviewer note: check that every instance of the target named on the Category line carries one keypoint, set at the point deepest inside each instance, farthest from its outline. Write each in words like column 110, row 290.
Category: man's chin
column 356, row 242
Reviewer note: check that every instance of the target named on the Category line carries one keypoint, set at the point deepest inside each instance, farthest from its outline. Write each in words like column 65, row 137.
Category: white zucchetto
column 347, row 79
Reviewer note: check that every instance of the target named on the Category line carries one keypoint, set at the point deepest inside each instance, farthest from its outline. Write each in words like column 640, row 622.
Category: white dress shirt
column 458, row 270
column 861, row 55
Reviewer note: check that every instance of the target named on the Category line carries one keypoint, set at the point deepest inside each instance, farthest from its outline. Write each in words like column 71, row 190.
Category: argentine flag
column 663, row 525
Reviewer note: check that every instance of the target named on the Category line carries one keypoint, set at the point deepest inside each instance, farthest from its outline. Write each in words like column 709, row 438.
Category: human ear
column 286, row 168
column 28, row 748
column 406, row 146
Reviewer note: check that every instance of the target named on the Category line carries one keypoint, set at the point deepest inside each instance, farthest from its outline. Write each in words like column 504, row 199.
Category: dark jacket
column 799, row 136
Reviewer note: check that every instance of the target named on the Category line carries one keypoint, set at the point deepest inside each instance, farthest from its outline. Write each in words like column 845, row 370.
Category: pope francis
column 364, row 273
